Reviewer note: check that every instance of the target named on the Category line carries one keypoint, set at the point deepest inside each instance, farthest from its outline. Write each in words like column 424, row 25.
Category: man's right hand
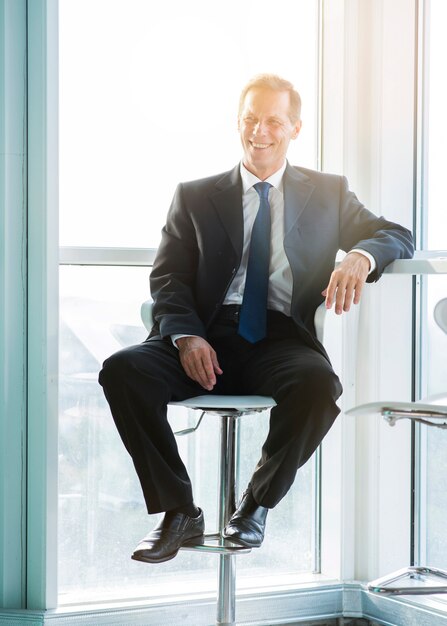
column 199, row 360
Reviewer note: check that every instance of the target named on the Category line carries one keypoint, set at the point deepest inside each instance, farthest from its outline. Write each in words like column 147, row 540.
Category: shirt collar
column 249, row 179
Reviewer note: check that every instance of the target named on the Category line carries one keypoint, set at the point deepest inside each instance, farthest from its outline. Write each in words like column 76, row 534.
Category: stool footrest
column 419, row 581
column 213, row 542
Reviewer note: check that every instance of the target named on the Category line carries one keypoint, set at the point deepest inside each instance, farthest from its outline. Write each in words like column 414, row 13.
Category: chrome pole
column 226, row 590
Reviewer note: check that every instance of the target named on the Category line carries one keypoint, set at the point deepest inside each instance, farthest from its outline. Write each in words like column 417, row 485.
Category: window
column 433, row 442
column 149, row 99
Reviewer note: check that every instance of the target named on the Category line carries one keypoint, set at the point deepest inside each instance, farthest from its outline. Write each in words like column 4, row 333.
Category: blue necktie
column 253, row 315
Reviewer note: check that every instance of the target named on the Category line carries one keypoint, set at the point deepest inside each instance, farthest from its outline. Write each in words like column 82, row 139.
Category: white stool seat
column 222, row 404
column 431, row 413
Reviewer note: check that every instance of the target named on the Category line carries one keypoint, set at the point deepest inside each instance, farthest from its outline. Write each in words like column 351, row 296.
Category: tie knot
column 263, row 189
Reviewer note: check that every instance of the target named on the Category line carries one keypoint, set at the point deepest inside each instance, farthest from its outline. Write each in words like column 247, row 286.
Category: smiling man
column 245, row 259
column 268, row 120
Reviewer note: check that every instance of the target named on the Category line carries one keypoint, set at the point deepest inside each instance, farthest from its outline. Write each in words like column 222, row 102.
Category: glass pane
column 434, row 339
column 434, row 440
column 436, row 132
column 101, row 510
column 150, row 99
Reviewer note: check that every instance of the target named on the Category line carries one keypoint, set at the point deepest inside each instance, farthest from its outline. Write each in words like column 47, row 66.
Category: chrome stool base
column 229, row 409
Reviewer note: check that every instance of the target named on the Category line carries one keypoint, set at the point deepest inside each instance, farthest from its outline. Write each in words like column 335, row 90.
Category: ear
column 296, row 129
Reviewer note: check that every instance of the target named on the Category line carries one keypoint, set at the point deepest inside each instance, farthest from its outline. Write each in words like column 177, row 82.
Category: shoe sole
column 191, row 541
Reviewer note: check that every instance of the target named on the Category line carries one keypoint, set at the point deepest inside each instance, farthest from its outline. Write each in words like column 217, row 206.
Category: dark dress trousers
column 196, row 262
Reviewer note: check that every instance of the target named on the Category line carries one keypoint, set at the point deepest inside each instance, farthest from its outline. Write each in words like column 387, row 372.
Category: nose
column 258, row 128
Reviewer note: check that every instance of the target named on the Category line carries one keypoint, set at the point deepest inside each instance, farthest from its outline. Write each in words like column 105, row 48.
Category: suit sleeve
column 359, row 228
column 173, row 275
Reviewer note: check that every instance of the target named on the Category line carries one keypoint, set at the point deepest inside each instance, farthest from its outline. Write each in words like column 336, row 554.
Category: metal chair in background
column 413, row 580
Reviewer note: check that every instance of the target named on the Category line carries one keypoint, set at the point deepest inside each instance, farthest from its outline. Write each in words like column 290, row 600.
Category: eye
column 249, row 119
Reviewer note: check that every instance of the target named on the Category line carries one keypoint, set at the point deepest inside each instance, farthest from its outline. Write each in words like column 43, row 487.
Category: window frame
column 43, row 308
column 346, row 553
column 13, row 290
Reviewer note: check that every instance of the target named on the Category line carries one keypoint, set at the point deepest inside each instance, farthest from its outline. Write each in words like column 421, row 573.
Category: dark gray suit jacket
column 201, row 246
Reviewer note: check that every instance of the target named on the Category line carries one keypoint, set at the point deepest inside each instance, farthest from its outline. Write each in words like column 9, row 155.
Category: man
column 245, row 259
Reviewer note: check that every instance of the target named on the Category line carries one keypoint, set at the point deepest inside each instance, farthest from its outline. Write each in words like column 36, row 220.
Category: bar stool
column 412, row 580
column 230, row 409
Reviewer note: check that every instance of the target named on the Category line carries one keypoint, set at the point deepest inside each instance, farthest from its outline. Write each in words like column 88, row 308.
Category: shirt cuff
column 175, row 337
column 369, row 256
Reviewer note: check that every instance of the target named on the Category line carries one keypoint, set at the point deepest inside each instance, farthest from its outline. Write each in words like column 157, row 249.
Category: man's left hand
column 346, row 282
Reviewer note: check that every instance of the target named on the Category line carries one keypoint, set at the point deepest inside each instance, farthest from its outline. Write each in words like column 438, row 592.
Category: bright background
column 149, row 97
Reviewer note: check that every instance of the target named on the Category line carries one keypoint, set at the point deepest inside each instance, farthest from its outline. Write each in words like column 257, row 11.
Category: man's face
column 266, row 130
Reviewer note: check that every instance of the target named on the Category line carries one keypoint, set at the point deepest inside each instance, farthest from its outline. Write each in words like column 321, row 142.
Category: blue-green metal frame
column 42, row 16
column 13, row 296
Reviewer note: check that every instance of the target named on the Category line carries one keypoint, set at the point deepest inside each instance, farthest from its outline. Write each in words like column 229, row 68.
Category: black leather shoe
column 170, row 534
column 247, row 524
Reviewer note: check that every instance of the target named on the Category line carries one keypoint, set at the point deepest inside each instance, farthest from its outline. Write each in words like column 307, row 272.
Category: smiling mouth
column 260, row 146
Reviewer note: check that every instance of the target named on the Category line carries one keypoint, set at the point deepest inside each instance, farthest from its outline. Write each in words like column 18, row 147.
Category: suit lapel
column 227, row 201
column 297, row 192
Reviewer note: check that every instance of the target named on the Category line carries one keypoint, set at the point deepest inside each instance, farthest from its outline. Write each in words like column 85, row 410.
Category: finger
column 190, row 370
column 330, row 291
column 349, row 293
column 340, row 297
column 339, row 300
column 196, row 356
column 336, row 294
column 189, row 363
column 216, row 365
column 358, row 291
column 201, row 374
column 207, row 369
